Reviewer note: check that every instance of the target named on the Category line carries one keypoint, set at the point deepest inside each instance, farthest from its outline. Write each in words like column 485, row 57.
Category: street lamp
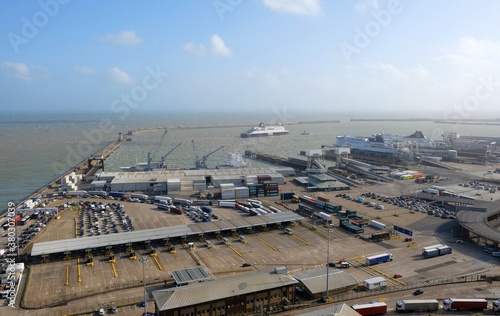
column 144, row 260
column 327, row 265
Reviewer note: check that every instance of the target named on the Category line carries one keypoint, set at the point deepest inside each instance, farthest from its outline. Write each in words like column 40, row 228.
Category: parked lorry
column 183, row 202
column 436, row 250
column 77, row 193
column 496, row 305
column 164, row 199
column 376, row 308
column 377, row 224
column 139, row 196
column 450, row 304
column 116, row 194
column 375, row 283
column 383, row 257
column 430, row 305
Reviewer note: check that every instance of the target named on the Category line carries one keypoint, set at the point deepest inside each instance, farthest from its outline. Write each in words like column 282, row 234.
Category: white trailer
column 377, row 224
column 78, row 193
column 163, row 198
column 139, row 196
column 227, row 203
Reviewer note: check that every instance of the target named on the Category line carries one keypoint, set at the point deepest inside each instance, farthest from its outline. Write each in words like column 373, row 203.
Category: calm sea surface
column 36, row 148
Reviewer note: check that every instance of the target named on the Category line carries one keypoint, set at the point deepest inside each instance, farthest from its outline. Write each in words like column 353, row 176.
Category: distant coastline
column 393, row 120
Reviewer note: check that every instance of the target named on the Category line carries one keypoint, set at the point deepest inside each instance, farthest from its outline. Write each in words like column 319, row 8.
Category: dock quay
column 295, row 163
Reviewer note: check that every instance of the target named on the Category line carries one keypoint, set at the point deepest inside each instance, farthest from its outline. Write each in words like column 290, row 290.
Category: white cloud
column 300, row 7
column 24, row 72
column 125, row 38
column 219, row 48
column 195, row 49
column 268, row 79
column 469, row 51
column 121, row 76
column 83, row 70
column 364, row 5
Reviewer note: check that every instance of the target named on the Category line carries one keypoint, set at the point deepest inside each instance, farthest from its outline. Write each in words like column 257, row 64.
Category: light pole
column 327, row 265
column 144, row 260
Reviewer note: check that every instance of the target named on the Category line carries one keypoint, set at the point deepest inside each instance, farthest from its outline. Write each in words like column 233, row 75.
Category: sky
column 246, row 55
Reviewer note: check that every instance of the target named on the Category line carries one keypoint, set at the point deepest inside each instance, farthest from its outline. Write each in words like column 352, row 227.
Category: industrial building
column 179, row 181
column 240, row 295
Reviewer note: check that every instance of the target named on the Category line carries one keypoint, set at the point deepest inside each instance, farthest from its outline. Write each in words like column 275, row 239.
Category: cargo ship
column 263, row 130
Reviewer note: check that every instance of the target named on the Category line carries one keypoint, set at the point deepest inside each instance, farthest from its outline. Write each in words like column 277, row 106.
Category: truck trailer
column 377, row 224
column 436, row 250
column 430, row 305
column 377, row 308
column 450, row 304
column 383, row 257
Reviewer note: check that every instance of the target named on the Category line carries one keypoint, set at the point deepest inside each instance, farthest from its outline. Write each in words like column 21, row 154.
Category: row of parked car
column 480, row 186
column 413, row 204
column 101, row 218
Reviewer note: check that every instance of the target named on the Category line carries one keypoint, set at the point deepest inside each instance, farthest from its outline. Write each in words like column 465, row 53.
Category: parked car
column 418, row 292
column 459, row 241
column 397, row 276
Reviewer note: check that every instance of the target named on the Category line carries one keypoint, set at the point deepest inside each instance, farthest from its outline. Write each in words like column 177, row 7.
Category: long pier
column 289, row 162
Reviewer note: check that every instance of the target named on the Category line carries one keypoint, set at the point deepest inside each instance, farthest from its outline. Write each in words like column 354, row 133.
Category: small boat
column 304, row 133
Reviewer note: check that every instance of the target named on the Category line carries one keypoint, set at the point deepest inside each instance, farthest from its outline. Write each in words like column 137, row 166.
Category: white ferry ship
column 263, row 130
column 376, row 143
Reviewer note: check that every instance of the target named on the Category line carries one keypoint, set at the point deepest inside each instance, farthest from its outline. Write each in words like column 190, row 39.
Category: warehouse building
column 312, row 283
column 240, row 295
column 179, row 181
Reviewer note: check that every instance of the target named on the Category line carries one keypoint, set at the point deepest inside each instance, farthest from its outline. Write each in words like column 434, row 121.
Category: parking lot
column 303, row 250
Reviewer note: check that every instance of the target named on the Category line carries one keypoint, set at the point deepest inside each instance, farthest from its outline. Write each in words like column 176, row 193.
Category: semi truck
column 183, row 202
column 430, row 305
column 77, row 193
column 166, row 199
column 496, row 305
column 450, row 304
column 376, row 308
column 139, row 196
column 116, row 194
column 383, row 257
column 436, row 250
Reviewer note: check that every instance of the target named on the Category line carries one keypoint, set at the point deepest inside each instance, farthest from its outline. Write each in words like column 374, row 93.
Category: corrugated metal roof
column 74, row 244
column 315, row 280
column 215, row 290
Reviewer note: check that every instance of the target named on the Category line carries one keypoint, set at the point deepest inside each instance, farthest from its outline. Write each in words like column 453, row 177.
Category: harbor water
column 37, row 148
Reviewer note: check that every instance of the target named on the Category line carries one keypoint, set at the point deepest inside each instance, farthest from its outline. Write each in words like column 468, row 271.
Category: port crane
column 154, row 152
column 202, row 163
column 164, row 157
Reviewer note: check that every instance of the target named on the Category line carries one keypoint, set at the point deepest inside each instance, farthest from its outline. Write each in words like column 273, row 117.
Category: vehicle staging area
column 66, row 283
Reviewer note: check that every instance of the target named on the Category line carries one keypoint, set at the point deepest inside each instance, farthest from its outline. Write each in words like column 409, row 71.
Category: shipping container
column 323, row 198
